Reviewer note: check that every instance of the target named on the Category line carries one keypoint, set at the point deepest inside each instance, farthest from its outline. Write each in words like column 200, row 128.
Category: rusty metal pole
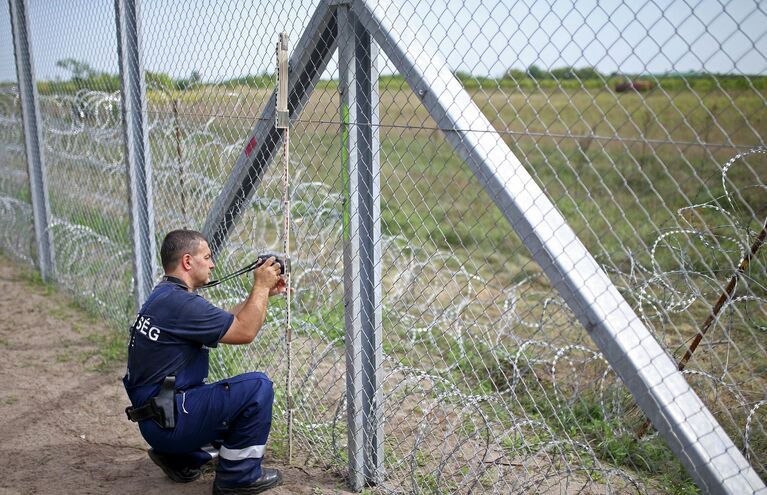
column 726, row 295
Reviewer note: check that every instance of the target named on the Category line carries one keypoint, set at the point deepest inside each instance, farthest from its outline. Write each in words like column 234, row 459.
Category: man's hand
column 250, row 316
column 267, row 276
column 279, row 288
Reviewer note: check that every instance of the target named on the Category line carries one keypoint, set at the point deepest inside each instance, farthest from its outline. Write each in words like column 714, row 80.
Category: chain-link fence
column 14, row 184
column 471, row 367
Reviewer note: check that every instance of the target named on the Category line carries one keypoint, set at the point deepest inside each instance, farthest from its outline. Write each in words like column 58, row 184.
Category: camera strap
column 237, row 273
column 283, row 261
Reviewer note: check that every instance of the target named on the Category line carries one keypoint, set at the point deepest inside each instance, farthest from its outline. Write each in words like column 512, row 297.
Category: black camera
column 278, row 258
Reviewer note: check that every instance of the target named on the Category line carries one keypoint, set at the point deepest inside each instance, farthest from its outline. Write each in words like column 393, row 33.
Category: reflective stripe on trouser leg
column 244, row 442
column 253, row 452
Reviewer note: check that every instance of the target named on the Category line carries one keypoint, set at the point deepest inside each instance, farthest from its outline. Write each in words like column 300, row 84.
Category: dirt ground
column 63, row 429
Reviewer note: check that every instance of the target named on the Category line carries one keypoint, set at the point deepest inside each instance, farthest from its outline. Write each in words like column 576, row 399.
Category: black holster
column 160, row 408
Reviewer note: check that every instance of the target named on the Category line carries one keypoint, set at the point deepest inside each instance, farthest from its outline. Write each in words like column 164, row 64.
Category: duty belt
column 161, row 408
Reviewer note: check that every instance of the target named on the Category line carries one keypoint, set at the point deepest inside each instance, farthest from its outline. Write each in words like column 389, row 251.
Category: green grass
column 612, row 439
column 34, row 279
column 112, row 349
column 329, row 321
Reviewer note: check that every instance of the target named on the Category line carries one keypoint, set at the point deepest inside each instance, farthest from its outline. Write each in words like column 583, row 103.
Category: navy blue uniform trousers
column 235, row 414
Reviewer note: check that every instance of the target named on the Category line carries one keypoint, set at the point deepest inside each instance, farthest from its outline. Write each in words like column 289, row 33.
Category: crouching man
column 187, row 422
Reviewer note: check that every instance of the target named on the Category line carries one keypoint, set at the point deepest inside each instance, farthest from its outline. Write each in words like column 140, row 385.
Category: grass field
column 636, row 157
column 625, row 170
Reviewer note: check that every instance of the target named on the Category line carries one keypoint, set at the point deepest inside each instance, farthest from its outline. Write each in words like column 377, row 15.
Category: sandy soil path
column 62, row 426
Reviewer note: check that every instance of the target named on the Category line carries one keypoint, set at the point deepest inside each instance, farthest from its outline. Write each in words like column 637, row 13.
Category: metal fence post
column 136, row 146
column 32, row 138
column 358, row 66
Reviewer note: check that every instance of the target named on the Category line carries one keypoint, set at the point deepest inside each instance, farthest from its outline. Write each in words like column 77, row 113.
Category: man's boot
column 179, row 474
column 269, row 479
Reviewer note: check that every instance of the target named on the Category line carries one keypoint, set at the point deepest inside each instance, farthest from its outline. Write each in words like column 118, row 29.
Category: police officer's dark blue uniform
column 171, row 336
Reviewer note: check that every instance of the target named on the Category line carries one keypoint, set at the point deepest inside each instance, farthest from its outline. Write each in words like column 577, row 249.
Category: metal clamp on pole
column 281, row 116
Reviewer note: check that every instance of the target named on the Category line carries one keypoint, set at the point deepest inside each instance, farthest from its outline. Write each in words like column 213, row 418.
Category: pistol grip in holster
column 160, row 409
column 165, row 403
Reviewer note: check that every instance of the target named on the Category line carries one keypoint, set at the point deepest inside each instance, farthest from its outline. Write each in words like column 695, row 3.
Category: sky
column 227, row 39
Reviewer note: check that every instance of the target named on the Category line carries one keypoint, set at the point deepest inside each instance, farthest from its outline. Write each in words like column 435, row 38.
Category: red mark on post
column 251, row 146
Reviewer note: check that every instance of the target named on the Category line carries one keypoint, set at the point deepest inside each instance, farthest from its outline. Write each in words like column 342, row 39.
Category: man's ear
column 186, row 261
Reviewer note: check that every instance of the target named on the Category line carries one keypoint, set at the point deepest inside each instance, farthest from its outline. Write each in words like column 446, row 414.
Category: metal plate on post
column 282, row 117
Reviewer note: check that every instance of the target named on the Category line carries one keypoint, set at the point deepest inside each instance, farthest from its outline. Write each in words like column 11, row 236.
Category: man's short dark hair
column 176, row 244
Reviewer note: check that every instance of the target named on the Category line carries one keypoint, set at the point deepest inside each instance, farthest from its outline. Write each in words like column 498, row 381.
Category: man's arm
column 237, row 308
column 250, row 315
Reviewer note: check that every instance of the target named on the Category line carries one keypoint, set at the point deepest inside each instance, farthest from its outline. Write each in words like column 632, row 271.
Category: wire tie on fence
column 498, row 462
